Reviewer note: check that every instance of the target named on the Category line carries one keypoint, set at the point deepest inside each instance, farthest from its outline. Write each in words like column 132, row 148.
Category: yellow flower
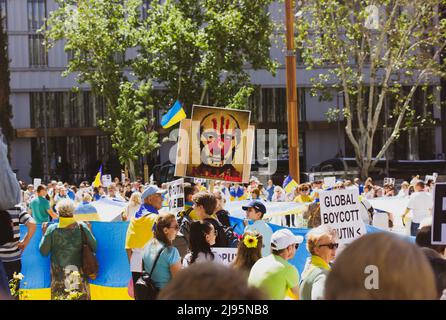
column 250, row 241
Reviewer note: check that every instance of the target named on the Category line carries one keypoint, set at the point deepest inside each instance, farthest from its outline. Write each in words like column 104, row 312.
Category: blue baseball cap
column 256, row 204
column 152, row 189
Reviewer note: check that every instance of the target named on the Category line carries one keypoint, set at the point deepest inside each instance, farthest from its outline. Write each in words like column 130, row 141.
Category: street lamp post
column 291, row 93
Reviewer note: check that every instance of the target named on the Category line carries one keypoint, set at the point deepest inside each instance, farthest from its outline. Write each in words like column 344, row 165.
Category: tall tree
column 5, row 90
column 375, row 50
column 98, row 33
column 199, row 49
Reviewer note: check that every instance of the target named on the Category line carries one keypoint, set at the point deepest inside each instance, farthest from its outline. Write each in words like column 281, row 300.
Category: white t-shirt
column 420, row 205
column 136, row 260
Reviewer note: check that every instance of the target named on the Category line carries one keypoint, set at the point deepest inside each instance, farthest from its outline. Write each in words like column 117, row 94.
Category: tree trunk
column 365, row 169
column 131, row 167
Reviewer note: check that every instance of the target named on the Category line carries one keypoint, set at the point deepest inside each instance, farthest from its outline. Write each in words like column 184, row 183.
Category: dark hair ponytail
column 197, row 242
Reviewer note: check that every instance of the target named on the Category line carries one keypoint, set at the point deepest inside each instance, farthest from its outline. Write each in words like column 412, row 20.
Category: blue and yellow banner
column 114, row 270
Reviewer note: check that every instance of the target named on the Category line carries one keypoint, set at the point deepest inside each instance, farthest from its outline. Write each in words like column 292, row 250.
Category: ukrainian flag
column 289, row 184
column 173, row 116
column 97, row 180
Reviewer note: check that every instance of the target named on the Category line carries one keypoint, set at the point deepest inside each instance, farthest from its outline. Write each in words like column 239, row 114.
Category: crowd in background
column 177, row 249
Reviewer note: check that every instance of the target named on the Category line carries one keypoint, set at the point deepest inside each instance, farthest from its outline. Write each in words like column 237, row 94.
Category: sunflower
column 250, row 241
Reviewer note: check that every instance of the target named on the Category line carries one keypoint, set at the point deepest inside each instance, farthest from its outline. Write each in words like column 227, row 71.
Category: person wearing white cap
column 140, row 232
column 273, row 273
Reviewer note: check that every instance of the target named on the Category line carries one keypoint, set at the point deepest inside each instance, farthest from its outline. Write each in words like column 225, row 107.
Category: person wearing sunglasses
column 273, row 273
column 322, row 245
column 168, row 263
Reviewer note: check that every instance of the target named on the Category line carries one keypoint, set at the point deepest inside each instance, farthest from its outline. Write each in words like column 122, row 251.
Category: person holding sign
column 420, row 206
column 322, row 245
column 202, row 237
column 255, row 211
column 274, row 274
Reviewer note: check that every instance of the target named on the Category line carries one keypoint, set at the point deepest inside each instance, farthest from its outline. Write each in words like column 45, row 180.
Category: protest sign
column 215, row 144
column 227, row 255
column 439, row 214
column 106, row 180
column 329, row 182
column 389, row 181
column 176, row 196
column 198, row 180
column 340, row 209
column 428, row 177
column 37, row 182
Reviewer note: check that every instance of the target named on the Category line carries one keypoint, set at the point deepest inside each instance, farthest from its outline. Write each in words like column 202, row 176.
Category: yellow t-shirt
column 303, row 198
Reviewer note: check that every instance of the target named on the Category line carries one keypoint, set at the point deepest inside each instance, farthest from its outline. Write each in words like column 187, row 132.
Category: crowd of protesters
column 177, row 249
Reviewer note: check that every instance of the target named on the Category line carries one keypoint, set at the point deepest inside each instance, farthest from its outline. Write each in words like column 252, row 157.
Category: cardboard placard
column 329, row 182
column 340, row 209
column 389, row 181
column 438, row 235
column 37, row 182
column 215, row 144
column 106, row 180
column 227, row 255
column 176, row 196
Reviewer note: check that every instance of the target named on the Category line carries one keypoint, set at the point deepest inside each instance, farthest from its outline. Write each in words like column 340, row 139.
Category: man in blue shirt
column 255, row 211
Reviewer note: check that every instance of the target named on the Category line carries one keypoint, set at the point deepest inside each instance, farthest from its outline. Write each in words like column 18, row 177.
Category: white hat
column 152, row 189
column 283, row 238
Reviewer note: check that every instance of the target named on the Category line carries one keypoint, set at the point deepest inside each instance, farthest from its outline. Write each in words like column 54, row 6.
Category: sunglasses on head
column 330, row 245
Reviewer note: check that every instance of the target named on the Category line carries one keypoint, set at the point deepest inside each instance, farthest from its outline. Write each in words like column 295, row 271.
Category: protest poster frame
column 171, row 185
column 37, row 182
column 438, row 233
column 189, row 144
column 352, row 196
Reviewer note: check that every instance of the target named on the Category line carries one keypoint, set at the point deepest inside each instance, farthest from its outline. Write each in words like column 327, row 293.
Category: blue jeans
column 414, row 228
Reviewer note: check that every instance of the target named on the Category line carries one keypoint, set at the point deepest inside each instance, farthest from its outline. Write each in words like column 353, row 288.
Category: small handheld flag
column 173, row 116
column 289, row 184
column 97, row 180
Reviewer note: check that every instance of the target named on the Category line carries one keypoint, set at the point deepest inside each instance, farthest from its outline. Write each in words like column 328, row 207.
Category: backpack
column 6, row 230
column 181, row 241
column 231, row 238
column 145, row 288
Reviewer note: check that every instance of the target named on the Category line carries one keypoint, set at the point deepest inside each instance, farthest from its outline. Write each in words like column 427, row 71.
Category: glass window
column 37, row 52
column 36, row 14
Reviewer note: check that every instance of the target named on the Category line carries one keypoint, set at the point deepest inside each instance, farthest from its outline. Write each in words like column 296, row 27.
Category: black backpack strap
column 156, row 260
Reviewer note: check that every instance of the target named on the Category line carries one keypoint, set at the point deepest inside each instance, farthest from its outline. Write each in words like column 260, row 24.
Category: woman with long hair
column 169, row 262
column 202, row 237
column 249, row 251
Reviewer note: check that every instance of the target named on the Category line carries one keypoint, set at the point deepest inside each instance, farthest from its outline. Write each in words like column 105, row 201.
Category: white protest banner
column 227, row 255
column 329, row 182
column 199, row 180
column 427, row 178
column 340, row 209
column 389, row 181
column 439, row 215
column 36, row 182
column 435, row 175
column 176, row 196
column 106, row 180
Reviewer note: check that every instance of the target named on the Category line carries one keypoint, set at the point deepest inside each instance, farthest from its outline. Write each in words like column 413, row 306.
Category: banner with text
column 340, row 210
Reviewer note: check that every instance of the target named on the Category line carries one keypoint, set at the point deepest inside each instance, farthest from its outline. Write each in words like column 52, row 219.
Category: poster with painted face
column 219, row 143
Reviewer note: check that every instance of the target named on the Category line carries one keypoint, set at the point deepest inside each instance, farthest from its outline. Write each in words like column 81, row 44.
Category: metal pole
column 291, row 93
column 45, row 131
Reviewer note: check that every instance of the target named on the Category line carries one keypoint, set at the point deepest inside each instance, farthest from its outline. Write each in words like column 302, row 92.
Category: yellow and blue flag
column 173, row 116
column 97, row 180
column 289, row 184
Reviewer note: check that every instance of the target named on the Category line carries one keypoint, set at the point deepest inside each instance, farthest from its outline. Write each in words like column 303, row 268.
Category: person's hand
column 44, row 227
column 22, row 245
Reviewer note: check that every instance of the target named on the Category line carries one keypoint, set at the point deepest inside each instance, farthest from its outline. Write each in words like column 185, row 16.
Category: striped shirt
column 10, row 251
